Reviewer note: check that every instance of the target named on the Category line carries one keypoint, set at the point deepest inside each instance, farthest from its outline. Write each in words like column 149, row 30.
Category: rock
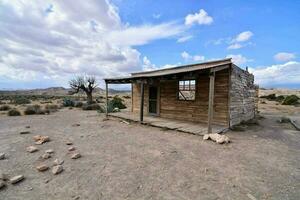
column 76, row 155
column 16, row 179
column 3, row 177
column 42, row 167
column 47, row 181
column 41, row 139
column 69, row 143
column 31, row 149
column 125, row 122
column 46, row 156
column 116, row 109
column 72, row 149
column 24, row 132
column 57, row 169
column 49, row 151
column 2, row 156
column 2, row 184
column 206, row 137
column 74, row 125
column 27, row 126
column 218, row 138
column 58, row 162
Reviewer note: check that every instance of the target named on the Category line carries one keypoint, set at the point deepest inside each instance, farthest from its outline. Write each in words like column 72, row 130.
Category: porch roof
column 169, row 71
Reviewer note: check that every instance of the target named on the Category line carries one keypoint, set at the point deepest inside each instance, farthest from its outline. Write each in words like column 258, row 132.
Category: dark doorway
column 153, row 100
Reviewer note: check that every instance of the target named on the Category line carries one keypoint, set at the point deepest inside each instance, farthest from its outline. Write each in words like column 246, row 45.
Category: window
column 187, row 90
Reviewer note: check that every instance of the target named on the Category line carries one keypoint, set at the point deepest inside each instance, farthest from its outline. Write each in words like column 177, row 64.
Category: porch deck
column 172, row 124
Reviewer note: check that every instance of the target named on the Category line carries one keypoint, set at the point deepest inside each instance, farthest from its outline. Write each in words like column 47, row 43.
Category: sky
column 45, row 43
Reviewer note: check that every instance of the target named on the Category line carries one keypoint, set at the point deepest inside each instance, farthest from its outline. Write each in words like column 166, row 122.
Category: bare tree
column 84, row 83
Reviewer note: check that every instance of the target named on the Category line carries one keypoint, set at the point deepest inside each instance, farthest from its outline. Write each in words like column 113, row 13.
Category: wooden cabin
column 214, row 92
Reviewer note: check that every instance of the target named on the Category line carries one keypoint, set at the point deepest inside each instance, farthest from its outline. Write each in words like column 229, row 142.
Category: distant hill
column 55, row 91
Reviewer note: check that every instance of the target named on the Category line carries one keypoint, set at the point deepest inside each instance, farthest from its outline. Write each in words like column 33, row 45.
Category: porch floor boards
column 183, row 126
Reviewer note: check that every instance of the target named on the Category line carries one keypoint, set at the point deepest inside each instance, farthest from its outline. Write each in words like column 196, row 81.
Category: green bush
column 117, row 102
column 4, row 108
column 290, row 100
column 13, row 112
column 93, row 106
column 68, row 102
column 78, row 104
column 32, row 110
column 280, row 98
column 21, row 100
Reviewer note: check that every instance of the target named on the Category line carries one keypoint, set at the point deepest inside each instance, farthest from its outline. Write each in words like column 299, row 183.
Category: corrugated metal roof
column 176, row 70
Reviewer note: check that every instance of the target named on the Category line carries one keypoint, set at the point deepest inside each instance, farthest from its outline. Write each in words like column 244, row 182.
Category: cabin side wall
column 242, row 96
column 195, row 111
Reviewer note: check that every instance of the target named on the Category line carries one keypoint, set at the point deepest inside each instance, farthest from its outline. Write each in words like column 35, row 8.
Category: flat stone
column 71, row 148
column 24, row 132
column 42, row 167
column 16, row 179
column 57, row 169
column 76, row 155
column 31, row 149
column 58, row 162
column 2, row 156
column 49, row 151
column 46, row 156
column 2, row 184
column 69, row 143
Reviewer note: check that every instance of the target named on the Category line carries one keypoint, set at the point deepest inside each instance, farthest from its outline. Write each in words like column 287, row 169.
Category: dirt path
column 121, row 161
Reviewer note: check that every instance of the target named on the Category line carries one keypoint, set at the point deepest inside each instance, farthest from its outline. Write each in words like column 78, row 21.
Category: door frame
column 157, row 100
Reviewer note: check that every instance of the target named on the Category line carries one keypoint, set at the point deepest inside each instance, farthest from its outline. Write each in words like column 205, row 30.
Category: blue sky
column 44, row 44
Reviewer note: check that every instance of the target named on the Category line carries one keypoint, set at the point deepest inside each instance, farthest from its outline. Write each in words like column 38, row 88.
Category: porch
column 172, row 124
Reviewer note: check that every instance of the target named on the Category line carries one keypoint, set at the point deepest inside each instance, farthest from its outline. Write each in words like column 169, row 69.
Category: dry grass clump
column 35, row 109
column 13, row 112
column 5, row 108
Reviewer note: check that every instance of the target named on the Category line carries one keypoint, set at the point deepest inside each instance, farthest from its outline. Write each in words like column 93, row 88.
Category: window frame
column 179, row 90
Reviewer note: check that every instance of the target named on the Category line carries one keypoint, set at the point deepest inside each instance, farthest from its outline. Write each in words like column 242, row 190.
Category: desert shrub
column 290, row 100
column 68, row 102
column 280, row 98
column 117, row 102
column 13, row 112
column 271, row 97
column 78, row 104
column 32, row 110
column 127, row 97
column 111, row 109
column 51, row 108
column 21, row 100
column 93, row 106
column 4, row 107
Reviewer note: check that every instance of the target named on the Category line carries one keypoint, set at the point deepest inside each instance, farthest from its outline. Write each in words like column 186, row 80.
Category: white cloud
column 184, row 38
column 148, row 66
column 235, row 46
column 238, row 59
column 282, row 74
column 243, row 36
column 156, row 16
column 284, row 56
column 54, row 40
column 200, row 18
column 187, row 57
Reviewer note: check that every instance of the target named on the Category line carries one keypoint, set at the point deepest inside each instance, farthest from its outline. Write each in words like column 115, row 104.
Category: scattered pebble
column 71, row 148
column 69, row 143
column 42, row 167
column 24, row 132
column 47, row 180
column 76, row 155
column 58, row 162
column 27, row 126
column 57, row 169
column 41, row 139
column 31, row 149
column 3, row 176
column 46, row 156
column 2, row 156
column 49, row 151
column 2, row 184
column 16, row 179
column 75, row 125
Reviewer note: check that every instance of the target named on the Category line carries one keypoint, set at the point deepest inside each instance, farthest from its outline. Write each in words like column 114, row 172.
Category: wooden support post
column 106, row 97
column 211, row 101
column 142, row 103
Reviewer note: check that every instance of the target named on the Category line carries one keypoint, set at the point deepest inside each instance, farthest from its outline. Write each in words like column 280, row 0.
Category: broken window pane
column 187, row 90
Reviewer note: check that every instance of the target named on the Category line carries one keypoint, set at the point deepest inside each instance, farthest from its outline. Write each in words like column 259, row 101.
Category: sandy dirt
column 121, row 161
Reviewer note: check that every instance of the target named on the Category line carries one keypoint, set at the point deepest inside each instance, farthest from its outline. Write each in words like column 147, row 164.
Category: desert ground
column 133, row 161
